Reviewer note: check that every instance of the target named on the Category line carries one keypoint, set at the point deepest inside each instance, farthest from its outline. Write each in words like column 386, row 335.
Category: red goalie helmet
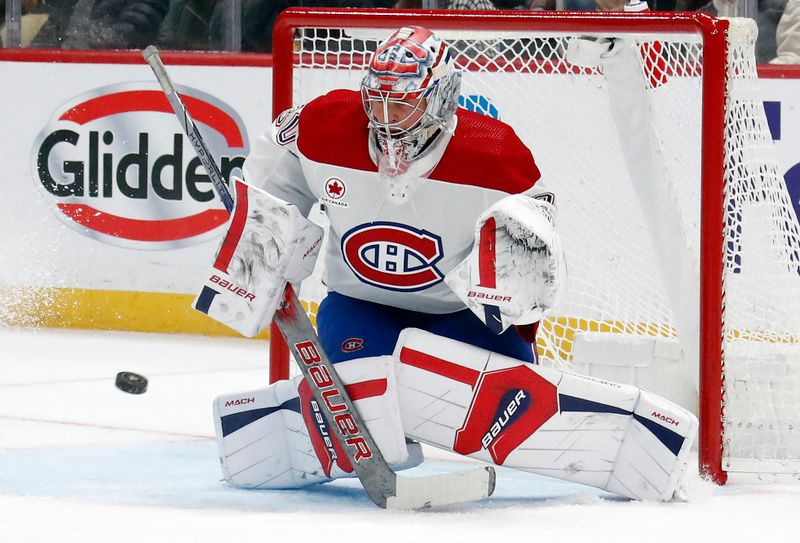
column 410, row 91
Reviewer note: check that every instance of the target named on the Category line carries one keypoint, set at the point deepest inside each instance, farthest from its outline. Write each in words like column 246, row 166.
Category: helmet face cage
column 395, row 113
column 410, row 91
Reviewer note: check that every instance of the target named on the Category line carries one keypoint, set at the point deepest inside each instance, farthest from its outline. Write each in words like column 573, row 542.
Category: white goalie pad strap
column 277, row 437
column 516, row 268
column 490, row 407
column 267, row 244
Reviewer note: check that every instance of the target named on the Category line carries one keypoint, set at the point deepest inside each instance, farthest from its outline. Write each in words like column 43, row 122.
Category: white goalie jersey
column 392, row 251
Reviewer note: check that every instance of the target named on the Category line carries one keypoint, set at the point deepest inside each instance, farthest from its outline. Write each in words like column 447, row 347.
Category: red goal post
column 679, row 262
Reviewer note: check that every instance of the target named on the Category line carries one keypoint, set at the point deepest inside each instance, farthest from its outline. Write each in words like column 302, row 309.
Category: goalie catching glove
column 268, row 244
column 515, row 270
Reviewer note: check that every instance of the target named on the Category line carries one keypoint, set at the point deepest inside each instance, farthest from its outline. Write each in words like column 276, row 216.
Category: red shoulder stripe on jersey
column 485, row 152
column 334, row 130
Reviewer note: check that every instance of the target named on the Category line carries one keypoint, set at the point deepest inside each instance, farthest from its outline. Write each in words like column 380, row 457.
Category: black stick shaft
column 152, row 57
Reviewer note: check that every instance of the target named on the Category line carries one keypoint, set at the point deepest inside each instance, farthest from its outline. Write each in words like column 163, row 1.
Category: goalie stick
column 384, row 487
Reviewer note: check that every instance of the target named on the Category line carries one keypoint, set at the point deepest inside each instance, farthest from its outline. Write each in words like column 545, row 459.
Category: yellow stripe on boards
column 107, row 310
column 172, row 313
column 556, row 335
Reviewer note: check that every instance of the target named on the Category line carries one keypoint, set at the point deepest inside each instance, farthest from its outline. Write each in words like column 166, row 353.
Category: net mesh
column 623, row 278
column 762, row 285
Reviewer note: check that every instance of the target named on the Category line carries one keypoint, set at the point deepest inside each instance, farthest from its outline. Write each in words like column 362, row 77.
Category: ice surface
column 83, row 462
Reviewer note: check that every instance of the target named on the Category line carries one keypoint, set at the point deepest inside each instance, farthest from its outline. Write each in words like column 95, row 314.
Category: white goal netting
column 631, row 173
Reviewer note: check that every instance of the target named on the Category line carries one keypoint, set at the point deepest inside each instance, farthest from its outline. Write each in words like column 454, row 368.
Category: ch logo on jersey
column 353, row 344
column 393, row 256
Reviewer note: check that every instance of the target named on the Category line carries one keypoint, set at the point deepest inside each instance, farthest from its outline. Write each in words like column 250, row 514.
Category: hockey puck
column 130, row 382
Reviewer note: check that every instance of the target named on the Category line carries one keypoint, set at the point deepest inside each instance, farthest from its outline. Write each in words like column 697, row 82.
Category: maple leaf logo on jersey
column 335, row 188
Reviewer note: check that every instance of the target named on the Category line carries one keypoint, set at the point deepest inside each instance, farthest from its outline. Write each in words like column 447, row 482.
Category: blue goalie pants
column 351, row 328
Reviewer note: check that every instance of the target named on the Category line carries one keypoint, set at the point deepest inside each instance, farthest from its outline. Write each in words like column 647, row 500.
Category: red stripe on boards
column 151, row 100
column 144, row 230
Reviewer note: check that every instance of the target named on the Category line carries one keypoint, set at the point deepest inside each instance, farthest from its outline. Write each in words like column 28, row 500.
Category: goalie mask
column 410, row 93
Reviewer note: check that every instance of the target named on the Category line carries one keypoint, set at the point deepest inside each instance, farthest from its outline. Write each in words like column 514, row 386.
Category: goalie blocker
column 268, row 244
column 458, row 397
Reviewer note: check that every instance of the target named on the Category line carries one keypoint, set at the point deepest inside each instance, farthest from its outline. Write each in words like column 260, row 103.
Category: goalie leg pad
column 277, row 437
column 655, row 449
column 477, row 403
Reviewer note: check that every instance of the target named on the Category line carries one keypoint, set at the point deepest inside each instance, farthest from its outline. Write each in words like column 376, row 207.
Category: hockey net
column 681, row 241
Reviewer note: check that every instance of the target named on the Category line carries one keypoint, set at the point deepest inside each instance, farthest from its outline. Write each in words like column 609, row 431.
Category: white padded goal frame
column 713, row 236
